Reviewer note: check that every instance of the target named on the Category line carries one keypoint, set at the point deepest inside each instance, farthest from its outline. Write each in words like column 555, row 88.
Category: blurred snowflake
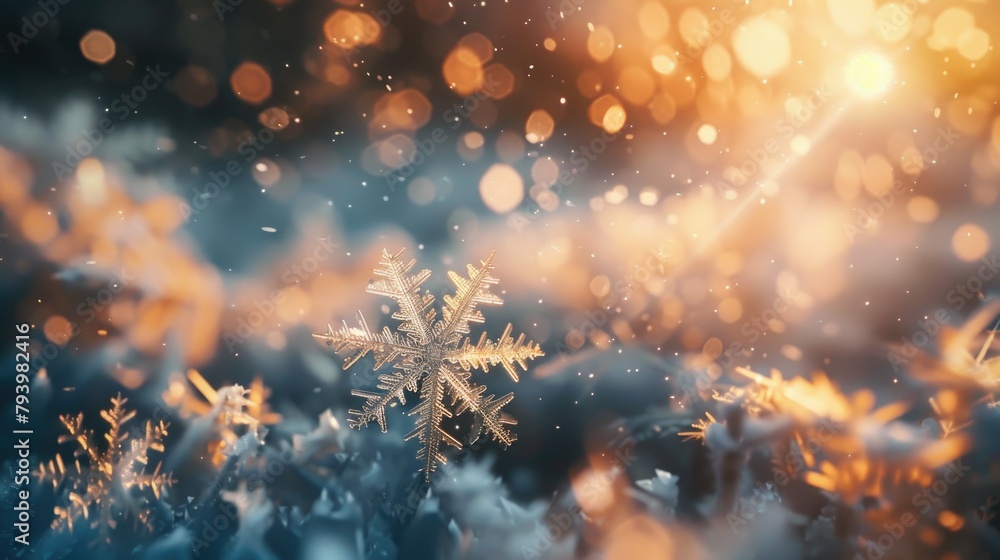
column 233, row 410
column 105, row 486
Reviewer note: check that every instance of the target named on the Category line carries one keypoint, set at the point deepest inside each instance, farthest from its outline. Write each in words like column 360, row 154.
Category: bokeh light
column 501, row 188
column 869, row 73
column 251, row 83
column 97, row 46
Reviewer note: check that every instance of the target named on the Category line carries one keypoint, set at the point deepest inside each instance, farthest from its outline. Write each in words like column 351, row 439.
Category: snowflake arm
column 357, row 342
column 393, row 386
column 73, row 425
column 430, row 413
column 116, row 416
column 460, row 309
column 139, row 453
column 506, row 351
column 489, row 417
column 415, row 313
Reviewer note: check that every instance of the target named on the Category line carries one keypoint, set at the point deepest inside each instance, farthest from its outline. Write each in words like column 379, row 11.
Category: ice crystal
column 663, row 485
column 434, row 355
column 102, row 492
column 233, row 409
column 988, row 370
column 699, row 427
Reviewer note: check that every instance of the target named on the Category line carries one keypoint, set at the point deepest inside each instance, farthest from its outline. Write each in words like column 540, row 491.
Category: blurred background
column 672, row 189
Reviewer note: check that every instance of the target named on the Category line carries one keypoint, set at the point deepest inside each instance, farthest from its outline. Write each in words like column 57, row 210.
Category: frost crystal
column 435, row 355
column 233, row 410
column 103, row 491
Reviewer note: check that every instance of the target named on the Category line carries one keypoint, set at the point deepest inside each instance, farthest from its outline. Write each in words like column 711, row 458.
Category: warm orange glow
column 636, row 85
column 869, row 73
column 601, row 43
column 970, row 242
column 853, row 17
column 653, row 19
column 949, row 27
column 730, row 310
column 403, row 110
column 38, row 224
column 501, row 81
column 607, row 113
column 463, row 70
column 762, row 47
column 58, row 329
column 435, row 11
column 501, row 188
column 350, row 30
column 251, row 83
column 639, row 537
column 922, row 209
column 717, row 62
column 97, row 46
column 539, row 126
column 195, row 85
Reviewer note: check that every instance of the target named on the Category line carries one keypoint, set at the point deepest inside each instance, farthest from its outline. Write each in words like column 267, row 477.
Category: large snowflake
column 434, row 355
column 102, row 491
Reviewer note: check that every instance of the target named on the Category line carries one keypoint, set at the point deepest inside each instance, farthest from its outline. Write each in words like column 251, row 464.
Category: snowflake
column 105, row 487
column 434, row 354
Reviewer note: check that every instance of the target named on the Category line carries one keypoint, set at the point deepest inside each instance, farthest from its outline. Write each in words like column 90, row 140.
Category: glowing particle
column 707, row 134
column 869, row 73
